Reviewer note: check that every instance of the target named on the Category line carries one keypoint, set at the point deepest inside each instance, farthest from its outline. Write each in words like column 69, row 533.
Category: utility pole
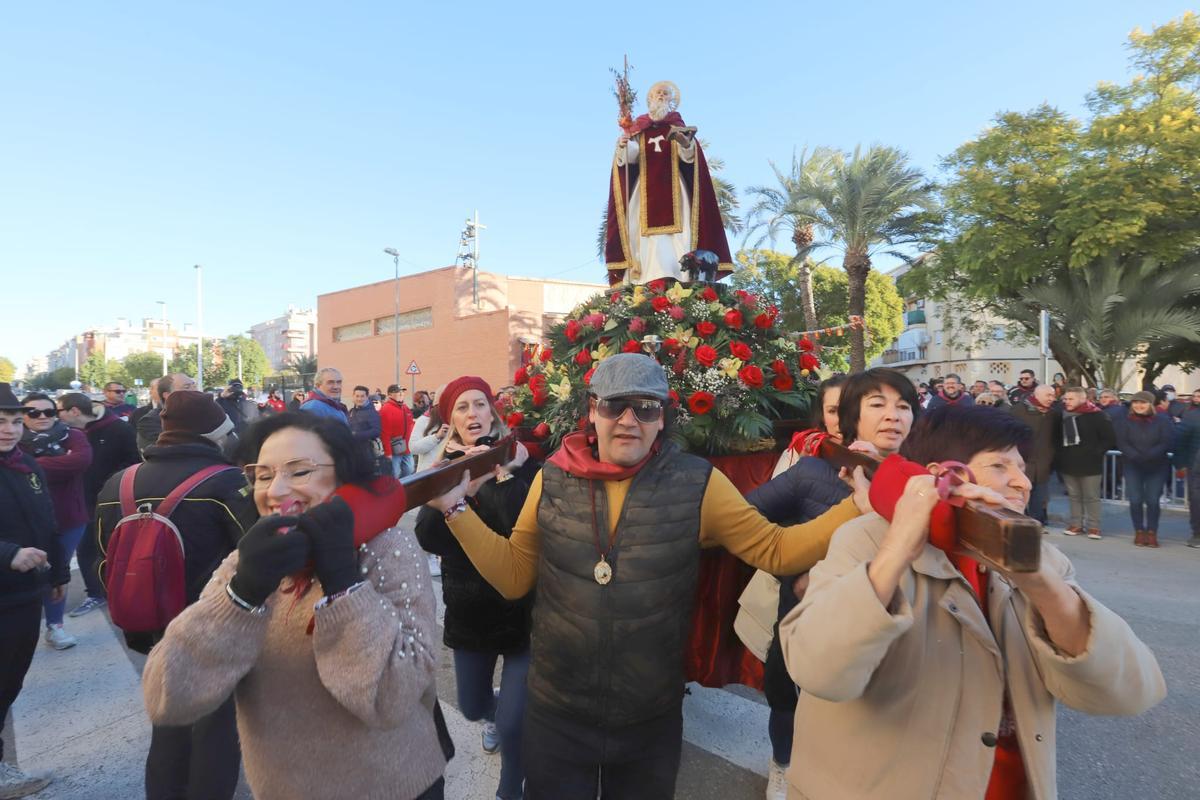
column 395, row 254
column 163, row 303
column 199, row 327
column 468, row 252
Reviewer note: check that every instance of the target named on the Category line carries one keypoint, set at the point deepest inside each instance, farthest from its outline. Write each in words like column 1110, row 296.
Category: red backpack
column 144, row 558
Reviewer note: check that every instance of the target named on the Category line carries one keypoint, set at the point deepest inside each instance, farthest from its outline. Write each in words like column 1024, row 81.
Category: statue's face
column 659, row 95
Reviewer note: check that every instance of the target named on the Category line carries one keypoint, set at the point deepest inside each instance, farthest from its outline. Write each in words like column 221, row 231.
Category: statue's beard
column 659, row 110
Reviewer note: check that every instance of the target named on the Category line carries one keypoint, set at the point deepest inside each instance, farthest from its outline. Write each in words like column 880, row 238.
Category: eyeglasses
column 295, row 472
column 48, row 413
column 644, row 410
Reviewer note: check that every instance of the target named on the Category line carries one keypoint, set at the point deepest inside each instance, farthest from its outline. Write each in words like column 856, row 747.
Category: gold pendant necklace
column 602, row 572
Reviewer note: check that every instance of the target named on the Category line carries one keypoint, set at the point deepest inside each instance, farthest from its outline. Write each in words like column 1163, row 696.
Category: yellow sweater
column 726, row 520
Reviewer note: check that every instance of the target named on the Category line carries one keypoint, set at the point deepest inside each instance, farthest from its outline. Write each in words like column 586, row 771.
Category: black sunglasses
column 644, row 410
column 35, row 413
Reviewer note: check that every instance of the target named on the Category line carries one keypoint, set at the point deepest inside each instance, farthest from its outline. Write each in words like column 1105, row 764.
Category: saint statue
column 661, row 202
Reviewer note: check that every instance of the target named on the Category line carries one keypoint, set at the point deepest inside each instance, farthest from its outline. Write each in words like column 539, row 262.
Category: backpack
column 144, row 564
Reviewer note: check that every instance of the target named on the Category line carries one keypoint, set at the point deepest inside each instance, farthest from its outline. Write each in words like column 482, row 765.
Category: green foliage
column 773, row 276
column 143, row 366
column 255, row 363
column 306, row 368
column 54, row 380
column 7, row 370
column 184, row 361
column 98, row 370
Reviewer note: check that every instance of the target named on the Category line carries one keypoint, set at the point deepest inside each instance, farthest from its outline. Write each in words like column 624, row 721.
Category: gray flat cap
column 629, row 375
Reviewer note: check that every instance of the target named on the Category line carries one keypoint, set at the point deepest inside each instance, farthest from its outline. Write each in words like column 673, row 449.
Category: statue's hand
column 622, row 140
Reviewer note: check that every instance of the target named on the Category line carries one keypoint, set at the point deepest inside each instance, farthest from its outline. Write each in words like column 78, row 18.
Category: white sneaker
column 59, row 639
column 777, row 785
column 14, row 783
column 435, row 567
column 491, row 738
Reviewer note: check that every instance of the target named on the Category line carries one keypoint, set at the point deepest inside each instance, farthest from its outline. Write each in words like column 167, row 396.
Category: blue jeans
column 1038, row 498
column 402, row 466
column 70, row 540
column 1143, row 489
column 473, row 672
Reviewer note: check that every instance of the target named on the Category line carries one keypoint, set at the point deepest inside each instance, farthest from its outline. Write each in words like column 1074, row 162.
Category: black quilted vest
column 614, row 655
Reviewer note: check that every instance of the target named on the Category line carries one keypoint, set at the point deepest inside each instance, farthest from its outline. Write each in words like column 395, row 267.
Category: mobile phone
column 453, row 454
column 486, row 440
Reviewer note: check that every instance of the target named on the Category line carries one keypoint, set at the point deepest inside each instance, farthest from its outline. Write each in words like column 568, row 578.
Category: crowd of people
column 290, row 618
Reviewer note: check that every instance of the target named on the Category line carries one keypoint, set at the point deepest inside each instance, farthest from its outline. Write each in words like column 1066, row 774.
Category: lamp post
column 163, row 303
column 395, row 254
column 199, row 327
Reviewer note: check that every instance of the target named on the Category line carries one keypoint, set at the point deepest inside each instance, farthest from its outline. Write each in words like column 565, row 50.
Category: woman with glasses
column 64, row 454
column 321, row 624
column 480, row 625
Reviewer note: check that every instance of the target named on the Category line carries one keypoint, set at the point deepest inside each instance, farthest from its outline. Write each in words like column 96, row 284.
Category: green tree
column 98, row 370
column 1041, row 194
column 790, row 208
column 7, row 370
column 865, row 204
column 254, row 361
column 771, row 275
column 143, row 366
column 306, row 367
column 56, row 379
column 184, row 361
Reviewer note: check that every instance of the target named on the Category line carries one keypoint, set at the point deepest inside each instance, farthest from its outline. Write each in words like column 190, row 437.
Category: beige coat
column 898, row 705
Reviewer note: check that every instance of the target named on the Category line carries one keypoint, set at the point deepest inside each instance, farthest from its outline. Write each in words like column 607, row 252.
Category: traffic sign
column 413, row 369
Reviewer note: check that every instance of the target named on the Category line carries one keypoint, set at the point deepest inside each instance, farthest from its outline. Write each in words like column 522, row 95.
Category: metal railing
column 1112, row 483
column 899, row 356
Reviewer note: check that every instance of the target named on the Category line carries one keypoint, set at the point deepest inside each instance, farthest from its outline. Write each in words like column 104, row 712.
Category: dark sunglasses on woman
column 644, row 409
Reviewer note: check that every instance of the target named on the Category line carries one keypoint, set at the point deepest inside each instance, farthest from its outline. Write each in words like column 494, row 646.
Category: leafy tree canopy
column 143, row 366
column 7, row 370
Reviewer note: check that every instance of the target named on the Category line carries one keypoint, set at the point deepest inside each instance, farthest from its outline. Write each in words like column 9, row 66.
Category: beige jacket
column 898, row 705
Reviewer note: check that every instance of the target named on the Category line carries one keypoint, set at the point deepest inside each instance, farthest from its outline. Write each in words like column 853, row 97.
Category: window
column 938, row 338
column 409, row 320
column 357, row 330
column 999, row 333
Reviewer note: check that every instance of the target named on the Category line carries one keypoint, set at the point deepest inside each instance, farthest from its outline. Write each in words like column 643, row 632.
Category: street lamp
column 395, row 254
column 199, row 327
column 163, row 303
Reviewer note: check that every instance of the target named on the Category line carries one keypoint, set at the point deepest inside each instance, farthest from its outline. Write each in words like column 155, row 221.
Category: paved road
column 81, row 717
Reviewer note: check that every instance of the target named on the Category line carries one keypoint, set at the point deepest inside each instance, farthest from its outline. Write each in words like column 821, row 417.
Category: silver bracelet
column 242, row 604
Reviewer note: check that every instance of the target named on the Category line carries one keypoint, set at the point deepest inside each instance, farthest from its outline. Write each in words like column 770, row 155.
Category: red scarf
column 576, row 456
column 1032, row 401
column 15, row 460
column 377, row 507
column 950, row 400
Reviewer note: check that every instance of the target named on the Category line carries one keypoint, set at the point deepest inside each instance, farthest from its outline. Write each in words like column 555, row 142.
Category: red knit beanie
column 193, row 414
column 456, row 387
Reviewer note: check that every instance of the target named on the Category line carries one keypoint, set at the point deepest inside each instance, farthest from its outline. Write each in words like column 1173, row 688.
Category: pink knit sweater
column 344, row 713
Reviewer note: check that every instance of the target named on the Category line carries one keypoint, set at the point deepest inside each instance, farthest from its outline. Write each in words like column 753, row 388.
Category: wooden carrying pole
column 997, row 536
column 428, row 484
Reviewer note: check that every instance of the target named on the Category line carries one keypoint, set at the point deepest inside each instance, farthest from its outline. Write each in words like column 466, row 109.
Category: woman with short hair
column 321, row 624
column 925, row 674
column 1144, row 437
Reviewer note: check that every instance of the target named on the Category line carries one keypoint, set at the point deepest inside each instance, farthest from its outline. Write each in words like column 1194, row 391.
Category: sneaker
column 14, row 783
column 1073, row 530
column 1194, row 541
column 88, row 606
column 491, row 738
column 777, row 785
column 435, row 567
column 1093, row 533
column 59, row 639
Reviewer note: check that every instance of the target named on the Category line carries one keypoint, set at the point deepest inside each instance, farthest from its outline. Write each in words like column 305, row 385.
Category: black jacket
column 478, row 618
column 27, row 520
column 1096, row 437
column 1047, row 434
column 114, row 447
column 211, row 519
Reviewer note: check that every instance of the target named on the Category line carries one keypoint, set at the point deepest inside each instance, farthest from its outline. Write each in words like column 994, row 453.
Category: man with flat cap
column 611, row 534
column 32, row 561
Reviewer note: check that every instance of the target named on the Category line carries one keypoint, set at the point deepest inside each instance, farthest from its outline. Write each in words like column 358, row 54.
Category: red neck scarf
column 1087, row 408
column 575, row 455
column 15, row 460
column 1032, row 401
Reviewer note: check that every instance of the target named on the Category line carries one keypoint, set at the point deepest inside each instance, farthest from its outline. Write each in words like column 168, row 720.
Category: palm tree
column 786, row 207
column 1109, row 313
column 864, row 204
column 306, row 366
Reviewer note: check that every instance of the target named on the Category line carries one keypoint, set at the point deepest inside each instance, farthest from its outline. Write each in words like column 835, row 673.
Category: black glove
column 265, row 556
column 330, row 531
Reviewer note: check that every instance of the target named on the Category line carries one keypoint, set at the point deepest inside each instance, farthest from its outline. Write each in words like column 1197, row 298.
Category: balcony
column 892, row 357
column 914, row 317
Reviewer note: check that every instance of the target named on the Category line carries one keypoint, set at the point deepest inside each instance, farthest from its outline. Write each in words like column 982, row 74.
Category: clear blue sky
column 283, row 145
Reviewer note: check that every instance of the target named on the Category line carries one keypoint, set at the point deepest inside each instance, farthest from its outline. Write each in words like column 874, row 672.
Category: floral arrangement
column 730, row 369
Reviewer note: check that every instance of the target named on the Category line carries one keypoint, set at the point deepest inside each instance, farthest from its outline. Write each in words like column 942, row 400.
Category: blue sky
column 283, row 145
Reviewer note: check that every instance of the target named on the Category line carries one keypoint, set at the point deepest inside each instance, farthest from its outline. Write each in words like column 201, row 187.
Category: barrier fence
column 1112, row 486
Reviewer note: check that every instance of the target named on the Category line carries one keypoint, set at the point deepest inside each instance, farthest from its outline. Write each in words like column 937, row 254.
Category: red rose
column 706, row 355
column 539, row 399
column 763, row 321
column 748, row 300
column 752, row 376
column 587, row 376
column 537, row 384
column 779, row 366
column 657, row 286
column 614, row 298
column 547, row 355
column 805, row 345
column 672, row 345
column 584, row 358
column 740, row 350
column 783, row 382
column 632, row 346
column 572, row 331
column 674, row 395
column 809, row 362
column 661, row 303
column 701, row 402
column 706, row 328
column 709, row 294
column 515, row 419
column 541, row 430
column 583, row 423
column 733, row 318
column 521, row 377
